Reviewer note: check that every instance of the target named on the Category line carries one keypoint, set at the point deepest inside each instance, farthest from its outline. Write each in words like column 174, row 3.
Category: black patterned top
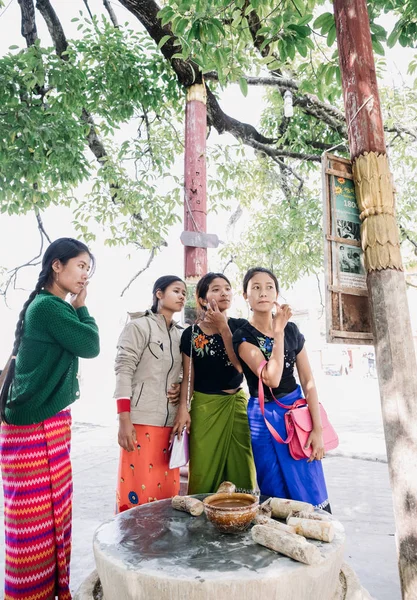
column 213, row 371
column 293, row 344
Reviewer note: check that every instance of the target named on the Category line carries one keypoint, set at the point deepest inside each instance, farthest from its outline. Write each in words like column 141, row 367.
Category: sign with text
column 347, row 307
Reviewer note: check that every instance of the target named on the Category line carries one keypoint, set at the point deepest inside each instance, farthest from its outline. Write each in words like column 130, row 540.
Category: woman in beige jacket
column 148, row 369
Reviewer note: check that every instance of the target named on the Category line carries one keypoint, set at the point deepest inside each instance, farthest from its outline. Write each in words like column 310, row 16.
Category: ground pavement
column 356, row 473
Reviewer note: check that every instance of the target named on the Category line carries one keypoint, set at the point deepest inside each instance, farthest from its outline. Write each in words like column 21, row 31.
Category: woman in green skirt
column 220, row 445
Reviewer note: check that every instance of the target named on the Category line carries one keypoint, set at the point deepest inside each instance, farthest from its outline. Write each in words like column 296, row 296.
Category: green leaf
column 299, row 5
column 328, row 78
column 331, row 36
column 243, row 84
column 394, row 36
column 181, row 26
column 306, row 19
column 302, row 30
column 378, row 47
column 323, row 19
column 302, row 48
column 163, row 40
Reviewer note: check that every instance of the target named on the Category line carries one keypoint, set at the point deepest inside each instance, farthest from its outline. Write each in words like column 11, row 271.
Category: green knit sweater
column 54, row 336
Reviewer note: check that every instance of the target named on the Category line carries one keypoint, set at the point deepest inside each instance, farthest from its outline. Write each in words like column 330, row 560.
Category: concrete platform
column 153, row 552
column 359, row 492
column 348, row 587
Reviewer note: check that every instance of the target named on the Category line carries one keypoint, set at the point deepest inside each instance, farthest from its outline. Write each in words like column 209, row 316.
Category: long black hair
column 204, row 284
column 63, row 250
column 161, row 285
column 251, row 272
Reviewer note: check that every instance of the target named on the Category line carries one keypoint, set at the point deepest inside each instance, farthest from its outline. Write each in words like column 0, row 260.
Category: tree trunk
column 395, row 355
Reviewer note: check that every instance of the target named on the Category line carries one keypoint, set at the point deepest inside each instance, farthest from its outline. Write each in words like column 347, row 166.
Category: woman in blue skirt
column 272, row 337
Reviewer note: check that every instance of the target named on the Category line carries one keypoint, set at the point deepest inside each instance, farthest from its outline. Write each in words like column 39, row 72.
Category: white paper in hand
column 179, row 451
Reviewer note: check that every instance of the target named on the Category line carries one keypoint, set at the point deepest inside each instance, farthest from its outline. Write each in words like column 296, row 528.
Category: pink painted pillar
column 195, row 178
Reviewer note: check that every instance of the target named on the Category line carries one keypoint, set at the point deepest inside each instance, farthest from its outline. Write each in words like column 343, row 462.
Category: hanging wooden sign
column 348, row 319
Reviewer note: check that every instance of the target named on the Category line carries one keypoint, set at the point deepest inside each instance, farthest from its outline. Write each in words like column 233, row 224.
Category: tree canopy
column 107, row 107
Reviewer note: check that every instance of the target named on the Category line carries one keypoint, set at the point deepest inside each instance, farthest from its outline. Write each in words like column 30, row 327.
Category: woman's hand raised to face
column 215, row 318
column 282, row 315
column 78, row 300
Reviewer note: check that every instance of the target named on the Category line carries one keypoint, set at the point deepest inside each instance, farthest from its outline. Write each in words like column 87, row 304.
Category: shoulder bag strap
column 189, row 369
column 261, row 399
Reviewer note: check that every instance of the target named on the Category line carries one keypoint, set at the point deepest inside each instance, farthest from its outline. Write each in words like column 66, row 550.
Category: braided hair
column 63, row 250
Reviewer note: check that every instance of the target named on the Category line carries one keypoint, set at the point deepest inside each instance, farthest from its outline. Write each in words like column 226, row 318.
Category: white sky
column 19, row 239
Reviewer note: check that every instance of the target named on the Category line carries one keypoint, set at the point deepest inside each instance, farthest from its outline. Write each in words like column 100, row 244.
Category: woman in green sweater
column 40, row 385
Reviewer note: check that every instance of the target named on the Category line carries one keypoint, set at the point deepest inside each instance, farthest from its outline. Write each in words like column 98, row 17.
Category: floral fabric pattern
column 213, row 371
column 209, row 345
column 266, row 344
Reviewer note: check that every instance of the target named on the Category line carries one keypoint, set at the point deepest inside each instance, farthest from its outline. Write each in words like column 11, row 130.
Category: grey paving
column 357, row 479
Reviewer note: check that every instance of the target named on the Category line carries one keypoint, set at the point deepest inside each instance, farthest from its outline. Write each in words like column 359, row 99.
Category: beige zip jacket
column 148, row 361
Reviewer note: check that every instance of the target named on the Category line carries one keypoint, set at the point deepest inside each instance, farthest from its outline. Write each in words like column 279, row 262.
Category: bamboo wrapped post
column 193, row 506
column 394, row 347
column 288, row 544
column 309, row 528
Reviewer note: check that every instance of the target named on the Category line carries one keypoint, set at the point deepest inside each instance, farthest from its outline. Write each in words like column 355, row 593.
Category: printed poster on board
column 350, row 258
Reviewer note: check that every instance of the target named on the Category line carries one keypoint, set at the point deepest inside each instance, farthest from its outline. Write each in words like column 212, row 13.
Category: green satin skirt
column 220, row 443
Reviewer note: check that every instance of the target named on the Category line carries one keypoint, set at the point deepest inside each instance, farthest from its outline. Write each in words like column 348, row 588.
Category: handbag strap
column 261, row 399
column 189, row 369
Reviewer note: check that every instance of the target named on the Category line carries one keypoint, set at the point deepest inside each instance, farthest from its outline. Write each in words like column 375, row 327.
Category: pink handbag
column 298, row 424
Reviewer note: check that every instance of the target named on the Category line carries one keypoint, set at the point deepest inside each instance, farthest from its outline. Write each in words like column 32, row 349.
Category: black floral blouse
column 293, row 344
column 213, row 371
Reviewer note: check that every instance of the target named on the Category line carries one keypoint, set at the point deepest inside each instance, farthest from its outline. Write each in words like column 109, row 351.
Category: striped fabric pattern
column 37, row 483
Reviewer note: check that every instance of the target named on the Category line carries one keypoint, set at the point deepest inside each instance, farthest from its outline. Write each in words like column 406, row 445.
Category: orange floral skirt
column 144, row 474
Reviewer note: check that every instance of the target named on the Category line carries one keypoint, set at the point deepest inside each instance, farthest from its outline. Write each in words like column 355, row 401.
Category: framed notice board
column 348, row 319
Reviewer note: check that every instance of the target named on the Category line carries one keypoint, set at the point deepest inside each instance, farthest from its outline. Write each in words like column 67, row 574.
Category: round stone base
column 349, row 587
column 154, row 552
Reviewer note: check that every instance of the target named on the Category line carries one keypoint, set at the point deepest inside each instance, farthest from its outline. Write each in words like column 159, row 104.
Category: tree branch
column 407, row 237
column 111, row 12
column 54, row 27
column 59, row 40
column 28, row 23
column 33, row 262
column 41, row 227
column 148, row 264
column 229, row 262
column 223, row 123
column 397, row 128
column 88, row 9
